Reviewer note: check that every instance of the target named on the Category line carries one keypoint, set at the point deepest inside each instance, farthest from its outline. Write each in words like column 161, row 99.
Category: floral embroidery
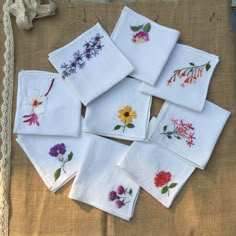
column 163, row 178
column 34, row 105
column 91, row 49
column 126, row 116
column 58, row 151
column 120, row 195
column 191, row 74
column 180, row 130
column 142, row 33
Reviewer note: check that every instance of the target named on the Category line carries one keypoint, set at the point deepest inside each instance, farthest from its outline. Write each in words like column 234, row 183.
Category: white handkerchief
column 45, row 106
column 102, row 184
column 190, row 134
column 91, row 64
column 158, row 171
column 145, row 43
column 123, row 112
column 56, row 159
column 185, row 78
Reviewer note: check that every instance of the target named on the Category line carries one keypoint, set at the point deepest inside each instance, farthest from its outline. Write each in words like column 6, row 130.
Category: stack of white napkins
column 116, row 78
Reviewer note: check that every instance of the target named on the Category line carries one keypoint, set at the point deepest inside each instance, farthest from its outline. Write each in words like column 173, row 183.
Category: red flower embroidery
column 141, row 35
column 162, row 178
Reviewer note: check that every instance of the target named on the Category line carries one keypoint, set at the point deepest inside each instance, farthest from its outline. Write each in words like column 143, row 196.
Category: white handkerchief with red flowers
column 56, row 159
column 145, row 43
column 158, row 171
column 91, row 64
column 191, row 135
column 101, row 183
column 45, row 106
column 185, row 78
column 123, row 112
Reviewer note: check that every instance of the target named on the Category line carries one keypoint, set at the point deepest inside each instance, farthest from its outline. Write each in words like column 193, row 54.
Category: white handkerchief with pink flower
column 101, row 183
column 191, row 135
column 185, row 78
column 145, row 43
column 45, row 106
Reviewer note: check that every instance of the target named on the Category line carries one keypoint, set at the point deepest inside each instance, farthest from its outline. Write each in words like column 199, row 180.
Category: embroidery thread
column 91, row 50
column 191, row 74
column 35, row 105
column 180, row 130
column 142, row 35
column 120, row 195
column 163, row 178
column 58, row 151
column 126, row 116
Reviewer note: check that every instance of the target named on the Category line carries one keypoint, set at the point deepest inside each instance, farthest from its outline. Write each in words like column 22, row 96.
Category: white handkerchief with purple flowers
column 91, row 64
column 56, row 159
column 191, row 135
column 101, row 183
column 45, row 106
column 123, row 112
column 185, row 78
column 157, row 170
column 145, row 43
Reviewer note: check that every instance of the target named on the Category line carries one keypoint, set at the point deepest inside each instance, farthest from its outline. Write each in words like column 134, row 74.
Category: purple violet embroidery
column 120, row 196
column 91, row 49
column 58, row 151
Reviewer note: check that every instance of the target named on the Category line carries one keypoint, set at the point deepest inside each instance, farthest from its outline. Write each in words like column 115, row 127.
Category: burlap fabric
column 207, row 203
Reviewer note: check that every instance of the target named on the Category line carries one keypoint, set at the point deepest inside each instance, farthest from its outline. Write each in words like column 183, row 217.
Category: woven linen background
column 207, row 203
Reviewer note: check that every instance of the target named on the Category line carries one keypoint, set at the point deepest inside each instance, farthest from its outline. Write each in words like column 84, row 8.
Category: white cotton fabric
column 59, row 112
column 100, row 175
column 196, row 144
column 100, row 72
column 150, row 159
column 148, row 57
column 37, row 148
column 193, row 94
column 102, row 114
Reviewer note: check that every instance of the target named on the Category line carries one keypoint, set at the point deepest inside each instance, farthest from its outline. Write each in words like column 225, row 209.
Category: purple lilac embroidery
column 91, row 49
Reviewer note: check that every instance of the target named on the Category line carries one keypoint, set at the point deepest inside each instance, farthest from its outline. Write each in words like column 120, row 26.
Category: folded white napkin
column 190, row 134
column 56, row 159
column 101, row 183
column 91, row 64
column 145, row 43
column 185, row 78
column 45, row 106
column 157, row 170
column 123, row 112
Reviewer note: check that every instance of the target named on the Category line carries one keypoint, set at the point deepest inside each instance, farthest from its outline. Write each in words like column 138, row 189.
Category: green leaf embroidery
column 117, row 127
column 147, row 27
column 57, row 174
column 172, row 185
column 208, row 66
column 192, row 64
column 130, row 126
column 130, row 192
column 178, row 137
column 164, row 190
column 165, row 127
column 136, row 28
column 168, row 136
column 70, row 156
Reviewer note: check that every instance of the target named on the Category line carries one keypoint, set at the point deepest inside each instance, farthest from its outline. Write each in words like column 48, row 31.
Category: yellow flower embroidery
column 126, row 116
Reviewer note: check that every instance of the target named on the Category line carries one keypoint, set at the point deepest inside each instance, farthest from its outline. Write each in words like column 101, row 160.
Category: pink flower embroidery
column 141, row 35
column 180, row 130
column 34, row 106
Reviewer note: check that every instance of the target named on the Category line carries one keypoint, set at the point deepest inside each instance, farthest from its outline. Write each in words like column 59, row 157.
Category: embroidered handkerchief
column 185, row 78
column 45, row 106
column 56, row 159
column 123, row 112
column 101, row 183
column 145, row 43
column 156, row 170
column 91, row 64
column 191, row 135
